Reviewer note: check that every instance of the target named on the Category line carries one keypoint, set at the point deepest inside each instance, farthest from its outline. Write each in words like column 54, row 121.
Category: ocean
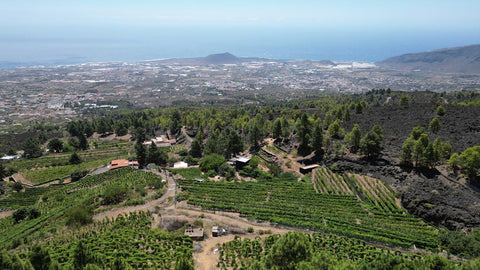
column 130, row 46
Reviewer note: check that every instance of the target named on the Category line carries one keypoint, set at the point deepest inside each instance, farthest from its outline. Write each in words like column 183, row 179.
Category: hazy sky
column 440, row 23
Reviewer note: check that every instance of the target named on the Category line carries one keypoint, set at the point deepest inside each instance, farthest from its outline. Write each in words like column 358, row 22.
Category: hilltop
column 450, row 60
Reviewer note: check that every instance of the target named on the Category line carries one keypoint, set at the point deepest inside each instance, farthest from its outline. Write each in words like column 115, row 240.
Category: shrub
column 19, row 215
column 80, row 215
column 77, row 175
column 212, row 162
column 17, row 186
column 114, row 194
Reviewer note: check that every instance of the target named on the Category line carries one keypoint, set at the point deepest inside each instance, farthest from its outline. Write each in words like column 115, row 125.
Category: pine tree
column 353, row 138
column 317, row 140
column 141, row 151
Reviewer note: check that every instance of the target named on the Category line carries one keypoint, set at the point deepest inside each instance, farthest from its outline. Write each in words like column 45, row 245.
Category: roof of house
column 120, row 163
column 194, row 232
column 180, row 164
column 243, row 159
column 313, row 166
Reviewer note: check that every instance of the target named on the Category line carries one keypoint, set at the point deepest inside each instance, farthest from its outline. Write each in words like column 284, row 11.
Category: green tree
column 55, row 145
column 196, row 149
column 303, row 133
column 175, row 123
column 434, row 125
column 404, row 100
column 416, row 132
column 234, row 143
column 335, row 130
column 42, row 137
column 288, row 251
column 82, row 142
column 20, row 215
column 31, row 148
column 212, row 162
column 153, row 155
column 440, row 111
column 140, row 135
column 277, row 129
column 406, row 154
column 429, row 156
column 346, row 116
column 371, row 143
column 470, row 161
column 75, row 159
column 214, row 144
column 255, row 131
column 353, row 138
column 358, row 108
column 317, row 140
column 74, row 142
column 454, row 162
column 141, row 152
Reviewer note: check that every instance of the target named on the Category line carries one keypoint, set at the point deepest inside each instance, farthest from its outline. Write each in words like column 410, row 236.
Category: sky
column 290, row 29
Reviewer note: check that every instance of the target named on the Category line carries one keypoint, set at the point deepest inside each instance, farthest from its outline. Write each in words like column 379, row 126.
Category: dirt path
column 171, row 187
column 207, row 259
column 7, row 213
column 20, row 178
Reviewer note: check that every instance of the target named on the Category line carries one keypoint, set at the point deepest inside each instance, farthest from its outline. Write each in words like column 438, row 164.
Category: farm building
column 308, row 169
column 194, row 233
column 241, row 161
column 160, row 142
column 120, row 163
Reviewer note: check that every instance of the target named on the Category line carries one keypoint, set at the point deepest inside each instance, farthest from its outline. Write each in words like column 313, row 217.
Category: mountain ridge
column 465, row 59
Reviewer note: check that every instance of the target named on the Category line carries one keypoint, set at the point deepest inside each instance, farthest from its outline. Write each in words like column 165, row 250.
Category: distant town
column 65, row 92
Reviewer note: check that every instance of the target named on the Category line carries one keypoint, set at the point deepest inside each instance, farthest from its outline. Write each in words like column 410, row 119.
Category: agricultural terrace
column 129, row 237
column 56, row 166
column 286, row 201
column 320, row 251
column 59, row 203
column 377, row 196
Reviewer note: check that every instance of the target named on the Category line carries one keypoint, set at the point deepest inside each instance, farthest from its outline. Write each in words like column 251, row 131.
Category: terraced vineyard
column 129, row 237
column 286, row 201
column 376, row 195
column 54, row 202
column 43, row 175
column 328, row 251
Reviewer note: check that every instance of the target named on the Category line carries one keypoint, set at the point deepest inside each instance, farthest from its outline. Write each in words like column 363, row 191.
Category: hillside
column 368, row 201
column 451, row 60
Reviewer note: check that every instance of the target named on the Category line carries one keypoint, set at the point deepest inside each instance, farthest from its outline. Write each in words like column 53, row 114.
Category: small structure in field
column 241, row 161
column 120, row 163
column 10, row 157
column 194, row 233
column 308, row 169
column 180, row 165
column 218, row 231
column 160, row 142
